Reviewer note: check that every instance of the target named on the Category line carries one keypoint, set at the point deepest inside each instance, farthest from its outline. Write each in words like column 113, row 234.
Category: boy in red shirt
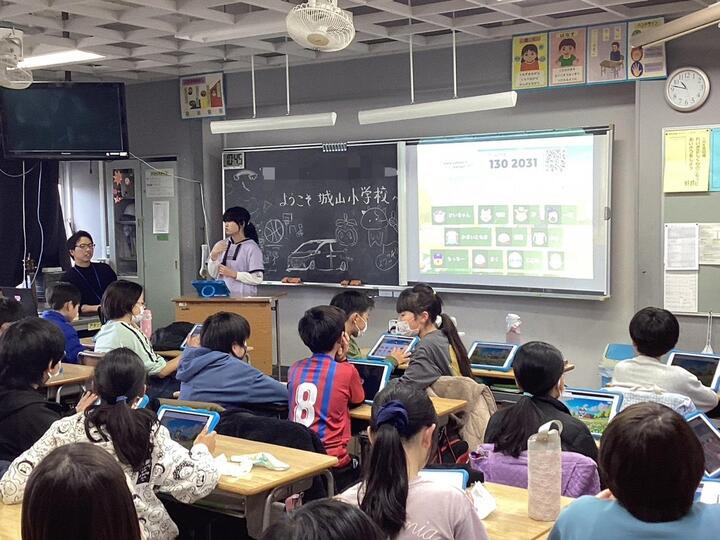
column 323, row 387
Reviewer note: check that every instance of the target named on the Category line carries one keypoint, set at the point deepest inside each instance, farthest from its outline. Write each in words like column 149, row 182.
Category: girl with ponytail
column 149, row 458
column 403, row 505
column 238, row 259
column 441, row 351
column 539, row 369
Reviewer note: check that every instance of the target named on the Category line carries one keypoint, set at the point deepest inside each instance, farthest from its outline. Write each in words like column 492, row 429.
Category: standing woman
column 92, row 278
column 238, row 259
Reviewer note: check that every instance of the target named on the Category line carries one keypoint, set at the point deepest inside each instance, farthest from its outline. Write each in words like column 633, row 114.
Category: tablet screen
column 710, row 443
column 702, row 367
column 374, row 377
column 193, row 337
column 594, row 411
column 490, row 355
column 183, row 427
column 388, row 344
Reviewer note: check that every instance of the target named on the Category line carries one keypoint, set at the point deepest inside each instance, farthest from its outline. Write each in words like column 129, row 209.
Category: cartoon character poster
column 202, row 96
column 646, row 62
column 607, row 53
column 529, row 68
column 567, row 57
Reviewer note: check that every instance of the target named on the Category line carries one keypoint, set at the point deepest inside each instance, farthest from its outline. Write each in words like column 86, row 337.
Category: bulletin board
column 691, row 219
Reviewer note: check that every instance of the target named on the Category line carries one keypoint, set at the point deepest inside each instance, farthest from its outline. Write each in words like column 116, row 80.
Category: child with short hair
column 64, row 301
column 324, row 386
column 357, row 306
column 654, row 332
column 10, row 311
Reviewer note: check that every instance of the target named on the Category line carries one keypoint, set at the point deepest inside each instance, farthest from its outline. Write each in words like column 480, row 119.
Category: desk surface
column 509, row 375
column 443, row 407
column 302, row 465
column 220, row 299
column 71, row 374
column 510, row 520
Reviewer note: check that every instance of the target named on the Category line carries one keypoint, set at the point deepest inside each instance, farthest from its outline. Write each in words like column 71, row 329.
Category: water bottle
column 545, row 472
column 146, row 323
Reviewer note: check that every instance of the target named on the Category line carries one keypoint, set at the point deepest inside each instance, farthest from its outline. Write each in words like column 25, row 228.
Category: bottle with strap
column 545, row 472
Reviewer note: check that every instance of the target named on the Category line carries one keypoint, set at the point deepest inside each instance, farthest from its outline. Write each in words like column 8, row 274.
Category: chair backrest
column 90, row 358
column 634, row 394
column 192, row 404
column 619, row 351
column 579, row 473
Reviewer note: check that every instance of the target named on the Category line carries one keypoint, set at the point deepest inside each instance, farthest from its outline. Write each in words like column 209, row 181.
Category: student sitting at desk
column 92, row 278
column 402, row 432
column 69, row 493
column 218, row 370
column 440, row 351
column 124, row 304
column 151, row 460
column 323, row 387
column 30, row 353
column 539, row 369
column 64, row 299
column 654, row 332
column 652, row 463
column 10, row 311
column 357, row 306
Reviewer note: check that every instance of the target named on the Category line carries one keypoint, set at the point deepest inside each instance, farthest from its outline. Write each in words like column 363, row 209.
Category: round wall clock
column 687, row 89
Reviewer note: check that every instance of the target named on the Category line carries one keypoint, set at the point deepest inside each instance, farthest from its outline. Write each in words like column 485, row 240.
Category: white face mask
column 361, row 332
column 137, row 319
column 403, row 328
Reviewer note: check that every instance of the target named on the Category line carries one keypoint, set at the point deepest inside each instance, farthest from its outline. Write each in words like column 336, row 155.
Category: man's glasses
column 85, row 246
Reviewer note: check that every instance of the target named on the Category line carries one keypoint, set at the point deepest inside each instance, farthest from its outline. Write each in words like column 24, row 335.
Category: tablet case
column 208, row 288
column 716, row 476
column 411, row 347
column 215, row 417
column 486, row 367
column 444, row 475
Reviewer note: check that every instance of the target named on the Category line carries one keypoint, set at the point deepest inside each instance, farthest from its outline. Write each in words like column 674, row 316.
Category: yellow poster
column 530, row 66
column 687, row 160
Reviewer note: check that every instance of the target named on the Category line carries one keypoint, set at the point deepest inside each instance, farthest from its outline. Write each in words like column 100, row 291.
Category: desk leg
column 276, row 328
column 57, row 394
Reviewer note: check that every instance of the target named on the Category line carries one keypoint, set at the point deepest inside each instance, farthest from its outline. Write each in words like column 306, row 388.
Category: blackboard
column 323, row 216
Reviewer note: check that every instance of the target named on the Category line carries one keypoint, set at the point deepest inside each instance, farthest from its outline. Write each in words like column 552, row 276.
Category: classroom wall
column 701, row 49
column 86, row 202
column 580, row 328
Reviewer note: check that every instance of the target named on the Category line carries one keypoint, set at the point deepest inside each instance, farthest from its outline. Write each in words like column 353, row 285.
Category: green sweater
column 116, row 334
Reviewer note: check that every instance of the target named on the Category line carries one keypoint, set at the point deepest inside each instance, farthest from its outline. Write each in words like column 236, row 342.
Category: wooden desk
column 10, row 521
column 260, row 311
column 507, row 375
column 72, row 374
column 443, row 407
column 510, row 520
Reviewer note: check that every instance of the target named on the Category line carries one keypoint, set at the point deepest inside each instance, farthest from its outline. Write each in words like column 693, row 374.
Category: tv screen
column 64, row 121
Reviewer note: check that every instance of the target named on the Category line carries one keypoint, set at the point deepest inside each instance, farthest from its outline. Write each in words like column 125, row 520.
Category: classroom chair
column 90, row 358
column 633, row 394
column 579, row 473
column 614, row 353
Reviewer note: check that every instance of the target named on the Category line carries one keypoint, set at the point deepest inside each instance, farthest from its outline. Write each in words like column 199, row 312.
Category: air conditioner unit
column 679, row 27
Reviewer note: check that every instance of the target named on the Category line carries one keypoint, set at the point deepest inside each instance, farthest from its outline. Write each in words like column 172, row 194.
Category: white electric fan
column 11, row 53
column 320, row 25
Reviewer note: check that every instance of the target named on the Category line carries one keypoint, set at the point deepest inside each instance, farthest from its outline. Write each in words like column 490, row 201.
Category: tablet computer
column 595, row 408
column 493, row 356
column 208, row 288
column 374, row 375
column 193, row 333
column 709, row 437
column 458, row 478
column 705, row 367
column 388, row 342
column 185, row 424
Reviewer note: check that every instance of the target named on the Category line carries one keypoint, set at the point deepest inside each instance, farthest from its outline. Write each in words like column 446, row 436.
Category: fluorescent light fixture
column 678, row 27
column 275, row 122
column 57, row 58
column 439, row 108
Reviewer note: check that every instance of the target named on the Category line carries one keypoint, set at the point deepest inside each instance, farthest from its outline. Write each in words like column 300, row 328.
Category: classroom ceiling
column 148, row 39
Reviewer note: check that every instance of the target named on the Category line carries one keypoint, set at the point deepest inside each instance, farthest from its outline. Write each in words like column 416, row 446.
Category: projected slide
column 521, row 207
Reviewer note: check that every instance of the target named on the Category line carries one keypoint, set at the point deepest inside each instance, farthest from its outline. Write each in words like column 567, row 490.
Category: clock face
column 687, row 89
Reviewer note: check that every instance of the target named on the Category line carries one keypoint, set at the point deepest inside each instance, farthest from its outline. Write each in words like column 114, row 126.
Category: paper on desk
column 710, row 242
column 681, row 246
column 681, row 292
column 236, row 470
column 710, row 493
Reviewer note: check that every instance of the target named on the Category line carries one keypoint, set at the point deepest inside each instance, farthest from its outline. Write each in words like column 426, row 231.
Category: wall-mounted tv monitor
column 64, row 121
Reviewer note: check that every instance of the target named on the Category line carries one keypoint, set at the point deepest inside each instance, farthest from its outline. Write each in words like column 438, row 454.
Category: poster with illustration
column 645, row 62
column 567, row 57
column 607, row 53
column 202, row 96
column 529, row 68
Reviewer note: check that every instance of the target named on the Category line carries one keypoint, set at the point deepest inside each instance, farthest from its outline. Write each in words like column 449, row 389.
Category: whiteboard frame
column 395, row 290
